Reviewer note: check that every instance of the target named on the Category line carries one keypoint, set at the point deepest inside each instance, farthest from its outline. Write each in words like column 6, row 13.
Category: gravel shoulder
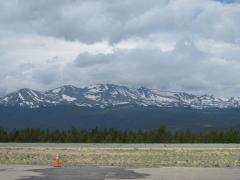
column 130, row 158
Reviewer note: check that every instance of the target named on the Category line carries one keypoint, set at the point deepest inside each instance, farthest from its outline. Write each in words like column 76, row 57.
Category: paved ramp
column 13, row 172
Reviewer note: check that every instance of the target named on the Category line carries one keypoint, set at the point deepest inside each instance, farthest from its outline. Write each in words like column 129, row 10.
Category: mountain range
column 110, row 95
column 119, row 107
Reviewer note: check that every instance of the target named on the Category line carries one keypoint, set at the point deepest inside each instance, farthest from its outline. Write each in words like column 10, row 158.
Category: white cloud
column 186, row 45
column 94, row 21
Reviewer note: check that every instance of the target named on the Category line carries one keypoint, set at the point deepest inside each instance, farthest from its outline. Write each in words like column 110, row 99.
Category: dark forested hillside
column 161, row 135
column 124, row 118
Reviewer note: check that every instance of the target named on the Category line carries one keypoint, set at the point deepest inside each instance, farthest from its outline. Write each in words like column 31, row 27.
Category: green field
column 123, row 158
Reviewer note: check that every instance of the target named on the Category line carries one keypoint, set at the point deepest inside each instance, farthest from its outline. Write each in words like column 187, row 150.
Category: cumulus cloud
column 94, row 21
column 45, row 76
column 178, row 45
column 87, row 60
column 186, row 68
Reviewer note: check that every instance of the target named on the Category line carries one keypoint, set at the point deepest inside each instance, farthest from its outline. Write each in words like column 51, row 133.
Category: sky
column 171, row 45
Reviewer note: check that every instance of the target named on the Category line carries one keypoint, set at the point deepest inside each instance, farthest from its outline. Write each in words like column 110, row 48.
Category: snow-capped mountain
column 105, row 95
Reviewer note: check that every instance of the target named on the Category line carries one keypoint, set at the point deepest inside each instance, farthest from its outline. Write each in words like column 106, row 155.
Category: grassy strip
column 123, row 158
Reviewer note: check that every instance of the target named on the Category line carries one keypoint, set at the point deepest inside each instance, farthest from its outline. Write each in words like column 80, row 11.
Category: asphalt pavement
column 14, row 172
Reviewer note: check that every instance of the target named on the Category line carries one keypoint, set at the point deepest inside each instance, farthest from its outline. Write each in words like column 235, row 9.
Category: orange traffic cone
column 57, row 161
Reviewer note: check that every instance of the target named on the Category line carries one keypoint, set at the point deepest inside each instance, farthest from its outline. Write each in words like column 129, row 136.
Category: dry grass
column 123, row 158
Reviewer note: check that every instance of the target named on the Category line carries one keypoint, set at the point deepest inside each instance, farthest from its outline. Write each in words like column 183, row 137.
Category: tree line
column 161, row 135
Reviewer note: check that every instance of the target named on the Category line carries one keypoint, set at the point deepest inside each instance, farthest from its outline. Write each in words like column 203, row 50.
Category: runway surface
column 119, row 146
column 14, row 172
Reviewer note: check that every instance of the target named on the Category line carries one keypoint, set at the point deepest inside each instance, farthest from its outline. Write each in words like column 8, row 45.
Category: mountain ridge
column 108, row 95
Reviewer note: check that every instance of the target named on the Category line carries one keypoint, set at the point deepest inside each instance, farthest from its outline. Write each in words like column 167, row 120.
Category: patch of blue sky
column 228, row 1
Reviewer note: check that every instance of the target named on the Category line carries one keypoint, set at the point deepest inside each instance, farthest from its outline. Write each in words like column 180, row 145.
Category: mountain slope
column 121, row 117
column 108, row 95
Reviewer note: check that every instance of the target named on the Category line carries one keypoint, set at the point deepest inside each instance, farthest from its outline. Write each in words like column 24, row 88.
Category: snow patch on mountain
column 105, row 95
column 91, row 97
column 20, row 96
column 57, row 90
column 68, row 98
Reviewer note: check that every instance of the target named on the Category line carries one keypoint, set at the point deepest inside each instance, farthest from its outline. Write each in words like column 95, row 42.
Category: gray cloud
column 181, row 45
column 87, row 60
column 26, row 66
column 93, row 21
column 2, row 92
column 184, row 68
column 45, row 76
